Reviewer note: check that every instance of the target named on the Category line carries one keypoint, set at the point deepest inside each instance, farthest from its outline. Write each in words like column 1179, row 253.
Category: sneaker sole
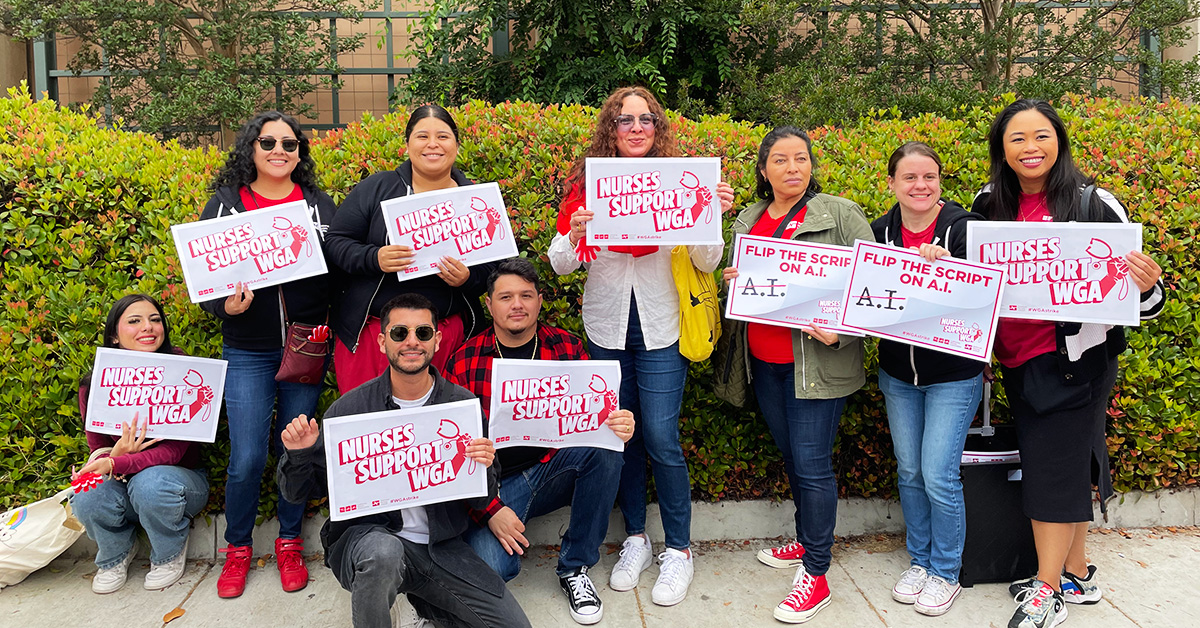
column 1084, row 599
column 636, row 580
column 765, row 557
column 588, row 620
column 794, row 617
column 941, row 609
column 905, row 599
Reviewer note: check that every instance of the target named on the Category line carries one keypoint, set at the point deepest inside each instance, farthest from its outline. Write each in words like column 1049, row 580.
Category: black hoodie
column 916, row 365
column 353, row 244
column 261, row 327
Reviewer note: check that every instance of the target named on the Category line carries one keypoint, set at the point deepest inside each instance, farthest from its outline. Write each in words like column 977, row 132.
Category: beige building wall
column 14, row 63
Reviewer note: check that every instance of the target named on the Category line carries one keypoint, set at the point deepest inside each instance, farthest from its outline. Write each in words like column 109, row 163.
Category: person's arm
column 165, row 452
column 347, row 240
column 300, row 473
column 563, row 258
column 706, row 257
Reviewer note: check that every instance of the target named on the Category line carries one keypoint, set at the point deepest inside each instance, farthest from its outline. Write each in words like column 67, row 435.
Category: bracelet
column 112, row 466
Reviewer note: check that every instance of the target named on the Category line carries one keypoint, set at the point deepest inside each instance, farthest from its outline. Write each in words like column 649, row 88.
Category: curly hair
column 239, row 169
column 604, row 139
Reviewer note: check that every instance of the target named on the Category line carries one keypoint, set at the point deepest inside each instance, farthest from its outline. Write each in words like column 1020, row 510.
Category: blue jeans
column 584, row 478
column 652, row 388
column 803, row 430
column 162, row 498
column 251, row 398
column 929, row 427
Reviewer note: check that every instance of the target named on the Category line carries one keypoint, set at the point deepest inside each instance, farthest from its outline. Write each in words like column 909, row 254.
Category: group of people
column 426, row 341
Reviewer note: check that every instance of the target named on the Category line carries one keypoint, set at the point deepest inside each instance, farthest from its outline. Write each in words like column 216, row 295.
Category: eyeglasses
column 647, row 120
column 268, row 144
column 399, row 332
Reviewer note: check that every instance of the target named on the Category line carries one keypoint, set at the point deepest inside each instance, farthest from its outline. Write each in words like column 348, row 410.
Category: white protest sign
column 1062, row 271
column 468, row 223
column 551, row 403
column 260, row 248
column 653, row 200
column 788, row 283
column 180, row 395
column 949, row 305
column 396, row 459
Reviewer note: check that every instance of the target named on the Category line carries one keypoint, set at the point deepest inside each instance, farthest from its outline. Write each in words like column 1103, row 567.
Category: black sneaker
column 586, row 607
column 1078, row 590
column 1044, row 608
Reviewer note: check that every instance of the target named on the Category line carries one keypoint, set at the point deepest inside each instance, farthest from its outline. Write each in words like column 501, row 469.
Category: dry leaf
column 728, row 603
column 173, row 615
column 262, row 562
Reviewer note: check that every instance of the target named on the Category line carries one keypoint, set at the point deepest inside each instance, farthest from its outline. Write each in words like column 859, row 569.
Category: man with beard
column 535, row 481
column 420, row 550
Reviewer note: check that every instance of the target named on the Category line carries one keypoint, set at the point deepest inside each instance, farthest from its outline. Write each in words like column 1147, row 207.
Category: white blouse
column 613, row 277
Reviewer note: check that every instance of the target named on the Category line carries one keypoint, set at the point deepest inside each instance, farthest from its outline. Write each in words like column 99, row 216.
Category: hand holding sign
column 240, row 300
column 621, row 423
column 301, row 433
column 131, row 441
column 1143, row 269
column 482, row 451
column 453, row 272
column 394, row 258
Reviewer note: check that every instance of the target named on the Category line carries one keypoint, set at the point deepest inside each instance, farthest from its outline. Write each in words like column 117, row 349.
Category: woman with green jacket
column 801, row 377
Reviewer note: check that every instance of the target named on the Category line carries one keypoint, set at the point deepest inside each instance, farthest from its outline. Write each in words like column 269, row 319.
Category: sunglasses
column 268, row 144
column 647, row 120
column 399, row 332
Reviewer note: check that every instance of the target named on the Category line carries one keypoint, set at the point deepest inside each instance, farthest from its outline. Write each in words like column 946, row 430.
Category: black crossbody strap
column 800, row 204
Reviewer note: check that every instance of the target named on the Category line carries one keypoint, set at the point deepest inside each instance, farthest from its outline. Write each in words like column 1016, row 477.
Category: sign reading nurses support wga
column 179, row 395
column 1062, row 271
column 653, row 200
column 788, row 283
column 949, row 305
column 259, row 248
column 402, row 458
column 549, row 403
column 468, row 223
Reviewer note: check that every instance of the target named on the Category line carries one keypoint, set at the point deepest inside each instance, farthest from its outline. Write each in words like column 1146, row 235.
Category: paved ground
column 1148, row 577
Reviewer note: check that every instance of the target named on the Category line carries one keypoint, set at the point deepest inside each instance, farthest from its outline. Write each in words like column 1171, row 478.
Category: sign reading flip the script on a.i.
column 468, row 223
column 179, row 396
column 396, row 459
column 653, row 200
column 1062, row 271
column 950, row 305
column 260, row 248
column 551, row 403
column 789, row 283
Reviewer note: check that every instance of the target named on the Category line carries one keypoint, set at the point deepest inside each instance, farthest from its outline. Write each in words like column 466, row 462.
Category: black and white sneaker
column 1078, row 590
column 1043, row 608
column 586, row 607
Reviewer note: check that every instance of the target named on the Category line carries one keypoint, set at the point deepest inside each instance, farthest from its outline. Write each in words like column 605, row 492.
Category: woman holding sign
column 801, row 377
column 931, row 396
column 631, row 314
column 268, row 165
column 359, row 246
column 156, row 483
column 1058, row 375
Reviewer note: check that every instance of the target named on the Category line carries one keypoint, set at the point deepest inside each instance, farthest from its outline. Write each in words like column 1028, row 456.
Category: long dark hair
column 111, row 323
column 430, row 111
column 1063, row 183
column 604, row 138
column 763, row 187
column 239, row 169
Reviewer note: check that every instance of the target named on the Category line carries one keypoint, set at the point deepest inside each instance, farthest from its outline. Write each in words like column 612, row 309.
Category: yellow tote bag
column 699, row 309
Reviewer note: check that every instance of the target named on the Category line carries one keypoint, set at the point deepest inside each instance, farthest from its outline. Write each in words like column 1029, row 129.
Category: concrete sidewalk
column 1148, row 577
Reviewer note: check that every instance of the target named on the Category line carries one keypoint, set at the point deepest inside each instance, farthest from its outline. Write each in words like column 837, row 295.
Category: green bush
column 86, row 210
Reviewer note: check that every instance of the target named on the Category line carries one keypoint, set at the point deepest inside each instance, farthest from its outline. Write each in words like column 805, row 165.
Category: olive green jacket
column 822, row 372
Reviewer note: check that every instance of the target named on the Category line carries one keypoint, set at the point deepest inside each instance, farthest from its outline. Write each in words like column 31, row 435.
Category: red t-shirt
column 252, row 201
column 914, row 240
column 772, row 343
column 1020, row 340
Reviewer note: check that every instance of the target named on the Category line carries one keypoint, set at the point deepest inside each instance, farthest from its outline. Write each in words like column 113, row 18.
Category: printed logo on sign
column 207, row 291
column 1070, row 281
column 550, row 398
column 438, row 223
column 395, row 451
column 270, row 251
column 600, row 236
column 672, row 208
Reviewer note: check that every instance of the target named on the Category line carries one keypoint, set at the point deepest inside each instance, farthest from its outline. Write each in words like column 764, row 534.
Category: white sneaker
column 911, row 582
column 674, row 577
column 113, row 578
column 937, row 596
column 635, row 558
column 168, row 573
column 405, row 616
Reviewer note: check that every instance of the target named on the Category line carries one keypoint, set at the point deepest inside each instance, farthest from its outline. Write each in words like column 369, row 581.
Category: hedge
column 86, row 211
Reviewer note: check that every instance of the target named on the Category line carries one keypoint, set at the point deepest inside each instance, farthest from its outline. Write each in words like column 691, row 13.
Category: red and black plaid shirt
column 471, row 368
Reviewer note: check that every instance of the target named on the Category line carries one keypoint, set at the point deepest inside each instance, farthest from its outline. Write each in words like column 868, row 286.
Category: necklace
column 1028, row 217
column 535, row 345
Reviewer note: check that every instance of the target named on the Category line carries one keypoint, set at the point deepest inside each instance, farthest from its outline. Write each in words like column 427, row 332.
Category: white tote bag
column 32, row 536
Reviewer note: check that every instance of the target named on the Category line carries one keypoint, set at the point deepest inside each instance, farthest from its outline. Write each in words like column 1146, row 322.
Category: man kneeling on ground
column 536, row 481
column 420, row 550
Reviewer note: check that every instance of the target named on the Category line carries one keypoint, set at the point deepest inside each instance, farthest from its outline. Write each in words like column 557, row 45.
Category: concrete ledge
column 722, row 521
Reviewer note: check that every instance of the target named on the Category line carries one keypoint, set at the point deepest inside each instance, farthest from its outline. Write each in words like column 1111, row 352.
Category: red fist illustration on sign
column 492, row 215
column 456, row 445
column 704, row 197
column 299, row 235
column 600, row 387
column 204, row 396
column 1115, row 268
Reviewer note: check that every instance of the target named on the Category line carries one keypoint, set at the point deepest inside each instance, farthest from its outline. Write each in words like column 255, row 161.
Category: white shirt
column 613, row 277
column 416, row 520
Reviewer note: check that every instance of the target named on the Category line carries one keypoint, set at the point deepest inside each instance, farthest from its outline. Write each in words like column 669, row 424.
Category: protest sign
column 551, row 403
column 789, row 283
column 1062, row 271
column 949, row 305
column 653, row 200
column 468, row 223
column 260, row 248
column 397, row 459
column 179, row 395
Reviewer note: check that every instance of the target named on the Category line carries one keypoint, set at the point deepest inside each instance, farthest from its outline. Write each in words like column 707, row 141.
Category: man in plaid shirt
column 536, row 481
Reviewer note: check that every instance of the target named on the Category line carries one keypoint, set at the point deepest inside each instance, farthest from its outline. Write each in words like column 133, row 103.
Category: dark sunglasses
column 399, row 332
column 268, row 144
column 647, row 120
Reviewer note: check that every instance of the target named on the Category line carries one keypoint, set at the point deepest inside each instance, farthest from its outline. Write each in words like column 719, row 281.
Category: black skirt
column 1060, row 433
